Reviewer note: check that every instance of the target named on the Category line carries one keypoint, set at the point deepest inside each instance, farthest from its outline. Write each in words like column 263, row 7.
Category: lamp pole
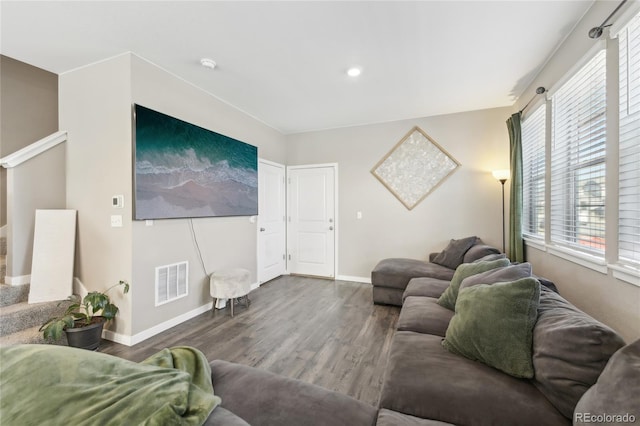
column 502, row 181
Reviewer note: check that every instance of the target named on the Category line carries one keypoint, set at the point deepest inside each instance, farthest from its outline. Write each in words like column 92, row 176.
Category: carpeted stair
column 19, row 320
column 3, row 259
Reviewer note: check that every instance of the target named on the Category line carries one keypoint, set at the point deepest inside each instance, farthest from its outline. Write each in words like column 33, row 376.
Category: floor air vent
column 172, row 282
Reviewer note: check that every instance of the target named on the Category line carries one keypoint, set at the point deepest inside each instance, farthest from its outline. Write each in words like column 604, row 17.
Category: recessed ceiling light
column 208, row 63
column 354, row 72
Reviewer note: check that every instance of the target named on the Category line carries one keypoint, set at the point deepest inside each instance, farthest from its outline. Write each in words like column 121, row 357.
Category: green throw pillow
column 448, row 298
column 494, row 324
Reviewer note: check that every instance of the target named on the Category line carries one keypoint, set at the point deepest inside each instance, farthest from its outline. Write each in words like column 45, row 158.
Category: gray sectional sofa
column 581, row 369
column 390, row 277
column 574, row 368
column 425, row 382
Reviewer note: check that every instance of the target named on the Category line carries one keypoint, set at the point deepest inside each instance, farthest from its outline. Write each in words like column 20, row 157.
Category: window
column 629, row 150
column 533, row 172
column 577, row 187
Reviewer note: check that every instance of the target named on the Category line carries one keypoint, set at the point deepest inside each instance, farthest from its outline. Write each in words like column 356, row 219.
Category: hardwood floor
column 324, row 332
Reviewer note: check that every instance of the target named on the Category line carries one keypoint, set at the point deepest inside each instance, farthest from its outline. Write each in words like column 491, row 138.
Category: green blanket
column 47, row 384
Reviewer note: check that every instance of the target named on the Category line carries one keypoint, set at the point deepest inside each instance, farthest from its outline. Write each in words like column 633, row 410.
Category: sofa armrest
column 263, row 398
column 432, row 256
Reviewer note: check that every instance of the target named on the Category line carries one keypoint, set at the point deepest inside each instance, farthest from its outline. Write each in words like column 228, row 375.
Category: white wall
column 612, row 301
column 224, row 242
column 467, row 203
column 95, row 109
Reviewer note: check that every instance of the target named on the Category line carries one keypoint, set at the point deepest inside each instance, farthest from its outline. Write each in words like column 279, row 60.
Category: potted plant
column 84, row 319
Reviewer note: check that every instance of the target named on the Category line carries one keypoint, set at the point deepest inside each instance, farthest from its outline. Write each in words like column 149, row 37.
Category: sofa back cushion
column 570, row 350
column 617, row 390
column 498, row 275
column 478, row 251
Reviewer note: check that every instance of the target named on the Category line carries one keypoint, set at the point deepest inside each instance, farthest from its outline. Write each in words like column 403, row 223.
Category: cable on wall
column 195, row 240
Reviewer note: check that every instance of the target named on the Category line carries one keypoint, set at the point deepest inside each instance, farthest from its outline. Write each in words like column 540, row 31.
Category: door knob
column 261, row 229
column 331, row 228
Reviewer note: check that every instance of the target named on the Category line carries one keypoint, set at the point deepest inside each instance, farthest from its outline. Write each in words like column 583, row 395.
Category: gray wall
column 38, row 183
column 467, row 203
column 28, row 112
column 612, row 301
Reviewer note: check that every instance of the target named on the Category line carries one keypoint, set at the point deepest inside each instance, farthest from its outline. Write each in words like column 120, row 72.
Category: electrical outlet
column 116, row 221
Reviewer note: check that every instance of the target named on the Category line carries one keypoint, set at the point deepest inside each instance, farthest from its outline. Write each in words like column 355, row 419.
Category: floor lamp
column 502, row 176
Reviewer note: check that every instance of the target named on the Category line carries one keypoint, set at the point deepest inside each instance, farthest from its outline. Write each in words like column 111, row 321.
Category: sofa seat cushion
column 617, row 390
column 425, row 287
column 425, row 380
column 570, row 350
column 223, row 417
column 263, row 398
column 397, row 272
column 424, row 315
column 393, row 418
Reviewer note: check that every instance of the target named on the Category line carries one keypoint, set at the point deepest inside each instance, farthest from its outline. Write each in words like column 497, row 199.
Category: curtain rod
column 539, row 91
column 596, row 32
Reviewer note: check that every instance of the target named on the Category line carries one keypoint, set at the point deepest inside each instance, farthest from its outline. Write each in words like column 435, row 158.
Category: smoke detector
column 208, row 63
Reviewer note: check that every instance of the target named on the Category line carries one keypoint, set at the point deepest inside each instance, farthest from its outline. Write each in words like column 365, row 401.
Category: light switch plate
column 117, row 201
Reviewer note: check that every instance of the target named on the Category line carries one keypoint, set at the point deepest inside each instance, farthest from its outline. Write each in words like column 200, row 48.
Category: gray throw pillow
column 493, row 324
column 498, row 275
column 616, row 392
column 448, row 298
column 453, row 255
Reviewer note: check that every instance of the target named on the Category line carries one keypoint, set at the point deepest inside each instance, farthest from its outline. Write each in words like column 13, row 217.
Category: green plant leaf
column 109, row 312
column 96, row 300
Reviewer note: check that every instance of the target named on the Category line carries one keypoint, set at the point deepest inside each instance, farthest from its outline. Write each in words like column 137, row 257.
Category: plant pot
column 87, row 337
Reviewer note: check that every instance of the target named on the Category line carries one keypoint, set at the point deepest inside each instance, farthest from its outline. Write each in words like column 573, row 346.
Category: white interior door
column 312, row 224
column 271, row 221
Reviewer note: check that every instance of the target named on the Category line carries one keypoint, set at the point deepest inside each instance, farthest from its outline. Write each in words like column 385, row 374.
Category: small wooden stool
column 230, row 284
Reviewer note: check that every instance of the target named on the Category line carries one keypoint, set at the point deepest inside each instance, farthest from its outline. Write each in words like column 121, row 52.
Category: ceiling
column 285, row 63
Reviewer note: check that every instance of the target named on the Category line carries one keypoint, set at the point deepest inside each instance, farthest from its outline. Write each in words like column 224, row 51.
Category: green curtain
column 516, row 245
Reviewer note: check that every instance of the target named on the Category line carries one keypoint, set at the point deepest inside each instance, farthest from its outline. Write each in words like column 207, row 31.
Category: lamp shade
column 502, row 174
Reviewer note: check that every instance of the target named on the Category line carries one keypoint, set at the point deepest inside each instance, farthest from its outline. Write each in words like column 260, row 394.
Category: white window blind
column 533, row 172
column 577, row 187
column 629, row 169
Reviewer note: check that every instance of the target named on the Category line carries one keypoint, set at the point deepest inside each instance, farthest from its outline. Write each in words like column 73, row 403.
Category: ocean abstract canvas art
column 184, row 171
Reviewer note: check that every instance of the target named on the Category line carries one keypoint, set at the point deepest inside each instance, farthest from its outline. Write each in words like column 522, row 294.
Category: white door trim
column 335, row 207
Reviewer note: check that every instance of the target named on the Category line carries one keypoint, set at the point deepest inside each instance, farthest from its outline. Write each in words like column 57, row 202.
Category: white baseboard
column 19, row 280
column 366, row 280
column 156, row 329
